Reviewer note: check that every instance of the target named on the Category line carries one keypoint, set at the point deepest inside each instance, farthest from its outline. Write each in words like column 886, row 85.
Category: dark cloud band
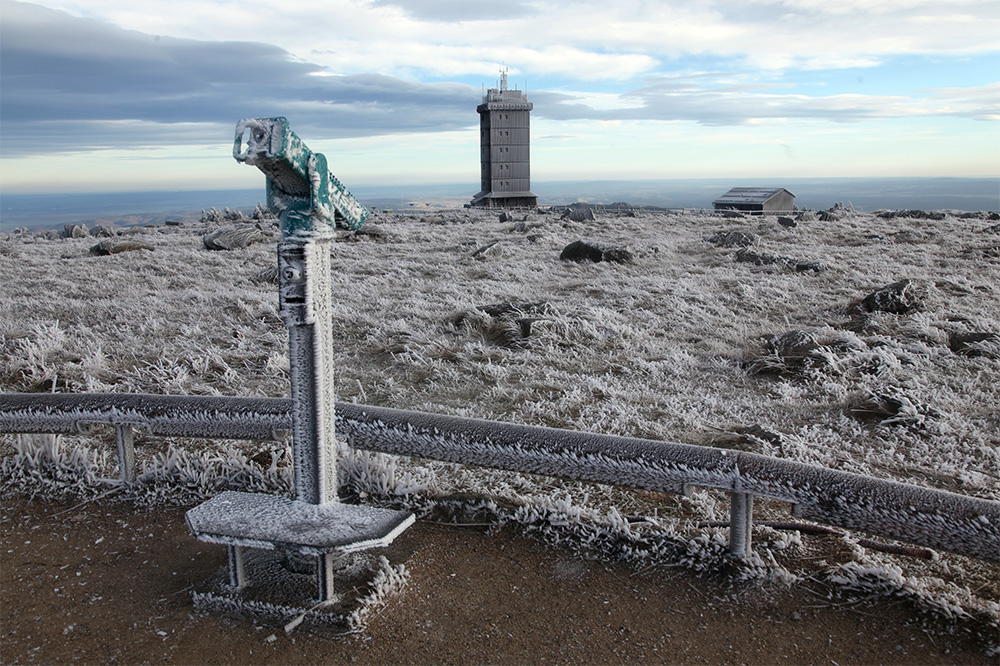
column 67, row 81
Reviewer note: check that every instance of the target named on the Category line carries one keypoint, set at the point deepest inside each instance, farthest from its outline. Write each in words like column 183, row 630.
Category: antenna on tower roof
column 503, row 77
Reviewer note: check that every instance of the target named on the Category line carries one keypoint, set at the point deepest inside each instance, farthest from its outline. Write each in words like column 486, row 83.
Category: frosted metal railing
column 931, row 518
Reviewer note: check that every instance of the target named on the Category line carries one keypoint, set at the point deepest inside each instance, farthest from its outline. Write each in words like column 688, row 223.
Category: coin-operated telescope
column 310, row 203
column 308, row 198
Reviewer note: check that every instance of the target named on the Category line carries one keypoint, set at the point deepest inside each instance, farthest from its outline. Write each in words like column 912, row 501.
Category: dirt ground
column 105, row 583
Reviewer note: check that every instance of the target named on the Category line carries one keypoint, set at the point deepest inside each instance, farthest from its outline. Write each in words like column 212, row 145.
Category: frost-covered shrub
column 367, row 474
column 182, row 476
column 891, row 407
column 213, row 215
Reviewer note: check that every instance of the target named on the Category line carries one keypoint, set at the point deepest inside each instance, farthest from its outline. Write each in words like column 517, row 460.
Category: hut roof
column 750, row 195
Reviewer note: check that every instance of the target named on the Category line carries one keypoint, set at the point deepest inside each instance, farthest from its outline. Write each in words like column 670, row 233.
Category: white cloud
column 980, row 102
column 581, row 40
column 723, row 100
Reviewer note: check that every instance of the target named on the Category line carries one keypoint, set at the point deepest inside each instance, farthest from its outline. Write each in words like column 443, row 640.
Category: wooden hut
column 756, row 200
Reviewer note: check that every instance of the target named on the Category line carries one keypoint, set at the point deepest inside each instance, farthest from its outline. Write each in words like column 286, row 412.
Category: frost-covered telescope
column 310, row 202
column 300, row 187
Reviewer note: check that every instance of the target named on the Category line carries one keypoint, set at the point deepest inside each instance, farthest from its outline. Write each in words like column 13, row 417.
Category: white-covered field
column 673, row 346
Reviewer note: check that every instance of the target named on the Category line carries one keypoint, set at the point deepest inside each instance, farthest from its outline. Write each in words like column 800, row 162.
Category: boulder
column 787, row 222
column 118, row 245
column 491, row 249
column 104, row 231
column 580, row 214
column 897, row 298
column 232, row 238
column 814, row 266
column 912, row 214
column 74, row 231
column 975, row 344
column 526, row 225
column 750, row 256
column 593, row 251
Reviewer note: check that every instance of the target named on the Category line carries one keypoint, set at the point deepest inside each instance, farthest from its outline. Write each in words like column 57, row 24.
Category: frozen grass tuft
column 40, row 465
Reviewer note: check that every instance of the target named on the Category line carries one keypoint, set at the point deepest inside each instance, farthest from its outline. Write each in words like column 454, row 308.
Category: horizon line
column 177, row 190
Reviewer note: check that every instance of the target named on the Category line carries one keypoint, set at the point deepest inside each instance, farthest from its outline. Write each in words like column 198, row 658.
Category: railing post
column 740, row 524
column 125, row 441
column 237, row 577
column 324, row 576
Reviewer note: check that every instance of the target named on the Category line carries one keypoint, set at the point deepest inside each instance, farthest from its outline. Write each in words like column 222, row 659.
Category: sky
column 119, row 95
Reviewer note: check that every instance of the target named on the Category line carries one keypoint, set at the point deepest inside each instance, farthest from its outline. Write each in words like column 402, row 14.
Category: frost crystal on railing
column 934, row 518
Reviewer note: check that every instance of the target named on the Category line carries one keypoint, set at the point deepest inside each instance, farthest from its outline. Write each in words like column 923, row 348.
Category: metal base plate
column 254, row 520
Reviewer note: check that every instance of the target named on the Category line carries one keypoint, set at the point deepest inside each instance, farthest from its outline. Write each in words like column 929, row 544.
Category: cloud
column 448, row 11
column 74, row 84
column 715, row 99
column 978, row 103
column 459, row 38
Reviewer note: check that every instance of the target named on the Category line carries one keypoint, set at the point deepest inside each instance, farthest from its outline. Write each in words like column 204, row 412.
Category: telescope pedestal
column 310, row 202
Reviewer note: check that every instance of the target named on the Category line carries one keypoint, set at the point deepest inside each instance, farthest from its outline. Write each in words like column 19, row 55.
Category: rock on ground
column 233, row 238
column 115, row 246
column 592, row 251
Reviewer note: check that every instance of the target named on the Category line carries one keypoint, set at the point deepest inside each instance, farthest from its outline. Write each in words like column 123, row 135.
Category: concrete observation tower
column 504, row 139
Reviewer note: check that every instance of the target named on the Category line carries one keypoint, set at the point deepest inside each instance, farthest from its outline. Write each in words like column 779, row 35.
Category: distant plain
column 49, row 211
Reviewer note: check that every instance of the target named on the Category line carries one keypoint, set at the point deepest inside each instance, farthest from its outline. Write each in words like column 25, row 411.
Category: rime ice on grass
column 654, row 352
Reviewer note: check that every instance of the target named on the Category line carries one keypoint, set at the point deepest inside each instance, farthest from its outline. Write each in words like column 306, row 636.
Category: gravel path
column 102, row 582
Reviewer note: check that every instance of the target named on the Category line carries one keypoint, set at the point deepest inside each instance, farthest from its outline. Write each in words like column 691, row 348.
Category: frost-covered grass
column 671, row 347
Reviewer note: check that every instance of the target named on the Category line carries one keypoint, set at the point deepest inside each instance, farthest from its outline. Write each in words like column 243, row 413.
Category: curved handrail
column 933, row 518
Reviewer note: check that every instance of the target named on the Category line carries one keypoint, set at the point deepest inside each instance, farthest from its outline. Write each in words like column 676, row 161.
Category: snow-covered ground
column 673, row 346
